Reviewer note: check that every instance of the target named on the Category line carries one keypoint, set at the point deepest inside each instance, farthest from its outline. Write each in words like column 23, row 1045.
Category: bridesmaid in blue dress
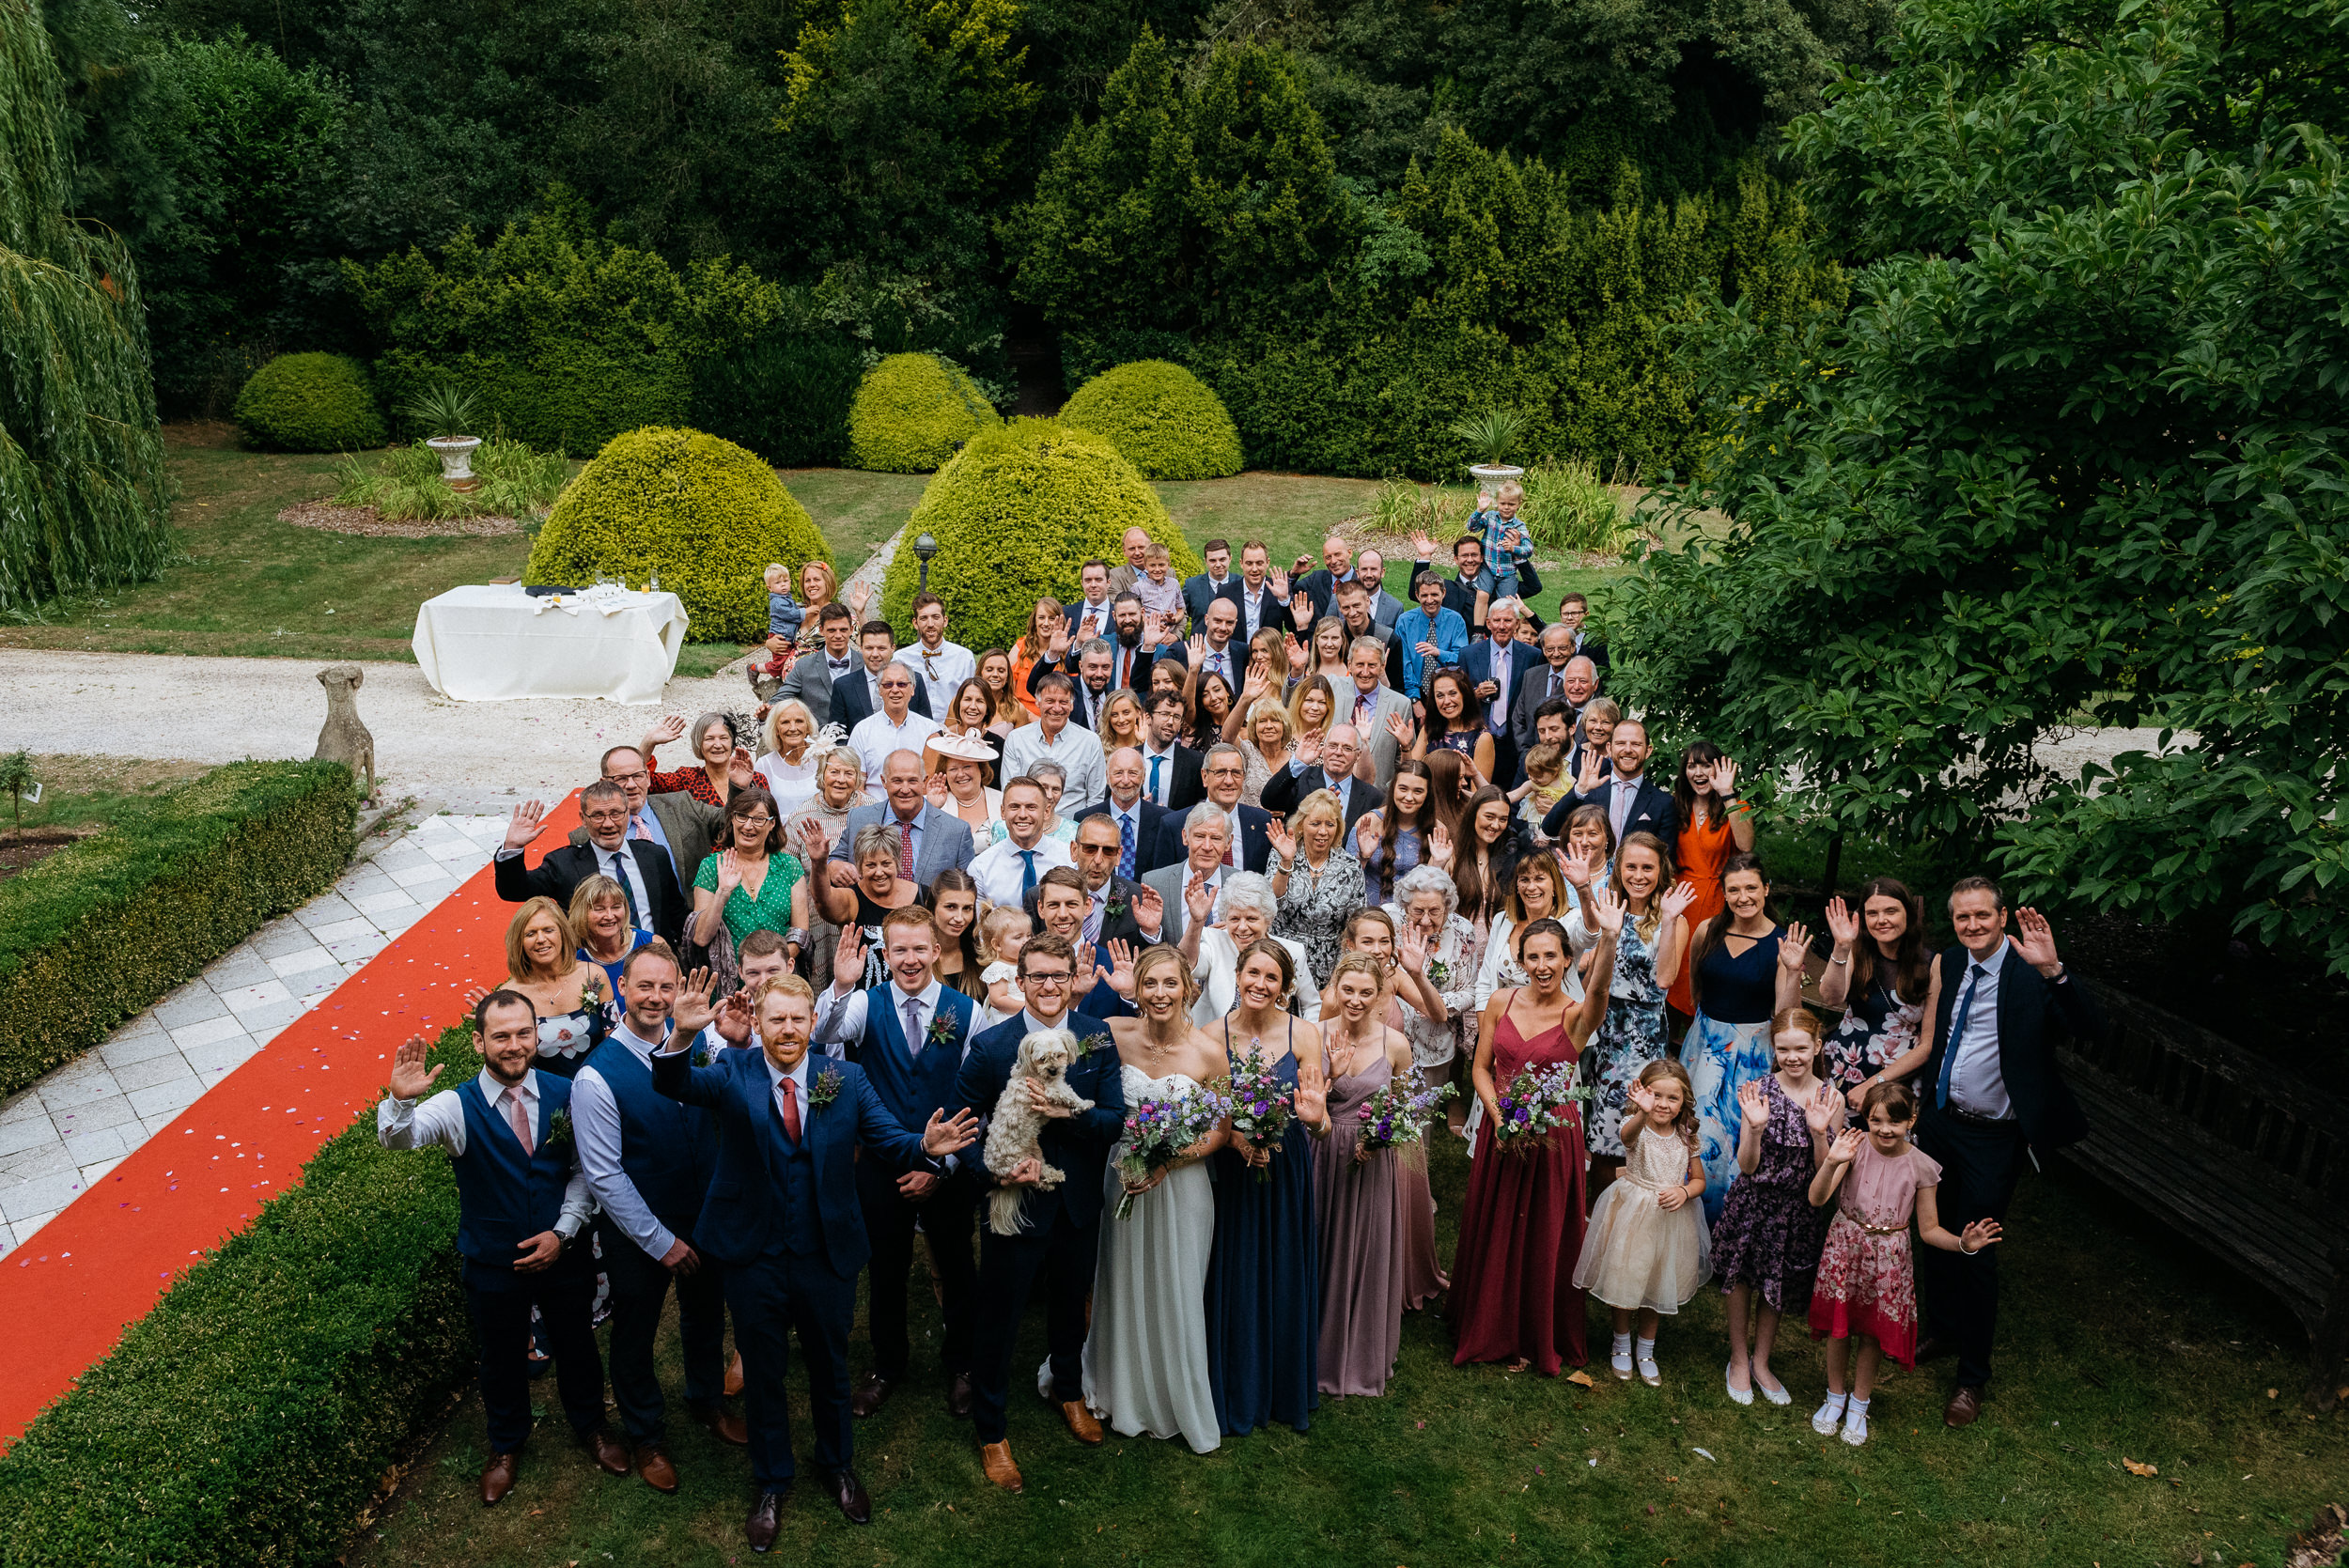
column 1746, row 968
column 1264, row 1277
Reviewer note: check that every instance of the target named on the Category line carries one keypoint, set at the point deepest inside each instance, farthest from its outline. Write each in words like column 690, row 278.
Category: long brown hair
column 1471, row 707
column 1709, row 935
column 1000, row 704
column 1912, row 970
column 1482, row 891
column 1686, row 1123
column 1031, row 644
column 1683, row 796
column 1648, row 921
column 955, row 879
column 1446, row 768
column 1381, row 859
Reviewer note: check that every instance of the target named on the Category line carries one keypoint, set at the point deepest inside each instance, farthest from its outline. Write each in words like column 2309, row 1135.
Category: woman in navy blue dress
column 1264, row 1285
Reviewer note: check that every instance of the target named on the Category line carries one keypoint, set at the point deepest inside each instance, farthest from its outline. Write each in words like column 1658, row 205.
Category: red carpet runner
column 103, row 1263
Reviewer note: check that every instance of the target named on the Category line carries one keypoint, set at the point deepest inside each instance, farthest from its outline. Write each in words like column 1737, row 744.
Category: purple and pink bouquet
column 1532, row 1104
column 1397, row 1113
column 1261, row 1106
column 1158, row 1132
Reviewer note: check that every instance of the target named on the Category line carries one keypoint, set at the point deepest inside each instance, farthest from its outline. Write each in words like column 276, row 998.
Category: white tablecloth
column 494, row 642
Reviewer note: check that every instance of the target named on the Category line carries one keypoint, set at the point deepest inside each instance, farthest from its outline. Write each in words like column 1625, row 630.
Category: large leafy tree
column 2076, row 459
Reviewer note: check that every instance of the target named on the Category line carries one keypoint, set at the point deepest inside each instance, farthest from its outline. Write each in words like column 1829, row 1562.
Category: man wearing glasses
column 1060, row 1229
column 684, row 827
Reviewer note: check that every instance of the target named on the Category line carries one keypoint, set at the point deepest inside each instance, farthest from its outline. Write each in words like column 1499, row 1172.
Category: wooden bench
column 2237, row 1156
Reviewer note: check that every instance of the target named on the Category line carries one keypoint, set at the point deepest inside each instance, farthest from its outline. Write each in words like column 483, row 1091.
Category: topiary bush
column 1015, row 513
column 1161, row 418
column 910, row 411
column 309, row 403
column 704, row 513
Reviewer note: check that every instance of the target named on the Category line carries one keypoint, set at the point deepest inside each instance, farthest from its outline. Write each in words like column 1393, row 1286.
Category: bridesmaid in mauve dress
column 1264, row 1287
column 1354, row 1198
column 1514, row 1298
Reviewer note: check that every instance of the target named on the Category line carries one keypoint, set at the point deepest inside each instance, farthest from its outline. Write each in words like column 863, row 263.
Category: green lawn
column 2115, row 1344
column 248, row 584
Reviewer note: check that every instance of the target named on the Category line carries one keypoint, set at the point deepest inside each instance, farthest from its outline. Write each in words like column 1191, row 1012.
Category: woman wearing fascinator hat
column 960, row 768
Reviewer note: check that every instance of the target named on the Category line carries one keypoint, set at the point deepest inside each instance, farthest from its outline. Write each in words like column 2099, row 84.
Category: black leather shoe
column 1933, row 1347
column 848, row 1493
column 766, row 1520
column 870, row 1395
column 958, row 1396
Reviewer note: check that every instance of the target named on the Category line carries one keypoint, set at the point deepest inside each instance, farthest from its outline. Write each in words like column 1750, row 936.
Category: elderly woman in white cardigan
column 1426, row 914
column 1244, row 912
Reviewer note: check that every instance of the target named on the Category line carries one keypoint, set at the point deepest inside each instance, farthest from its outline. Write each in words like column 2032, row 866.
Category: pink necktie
column 521, row 1118
column 638, row 823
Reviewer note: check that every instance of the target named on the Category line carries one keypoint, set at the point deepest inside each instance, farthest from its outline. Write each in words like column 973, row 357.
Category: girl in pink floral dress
column 1865, row 1285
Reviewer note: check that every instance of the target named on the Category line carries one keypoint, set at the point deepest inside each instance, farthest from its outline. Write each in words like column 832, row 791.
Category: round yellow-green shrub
column 309, row 403
column 1015, row 513
column 704, row 513
column 1161, row 417
column 910, row 411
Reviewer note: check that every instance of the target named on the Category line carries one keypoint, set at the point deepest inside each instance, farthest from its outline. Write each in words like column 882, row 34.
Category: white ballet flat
column 1621, row 1366
column 1824, row 1421
column 1650, row 1374
column 1739, row 1396
column 1855, row 1428
column 1776, row 1396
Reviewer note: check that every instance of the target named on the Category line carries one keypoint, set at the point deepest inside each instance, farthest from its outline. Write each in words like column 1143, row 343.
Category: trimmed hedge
column 785, row 395
column 252, row 1414
column 1161, row 418
column 556, row 397
column 702, row 512
column 96, row 933
column 1015, row 513
column 909, row 412
column 310, row 403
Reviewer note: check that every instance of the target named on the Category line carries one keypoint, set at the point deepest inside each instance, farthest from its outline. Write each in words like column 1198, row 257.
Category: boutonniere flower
column 1115, row 909
column 827, row 1088
column 1439, row 972
column 941, row 1030
column 559, row 1130
column 1091, row 1043
column 702, row 1057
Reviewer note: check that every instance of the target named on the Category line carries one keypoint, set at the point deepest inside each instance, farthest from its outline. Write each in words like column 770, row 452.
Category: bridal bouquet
column 1397, row 1113
column 1158, row 1132
column 1260, row 1105
column 1533, row 1103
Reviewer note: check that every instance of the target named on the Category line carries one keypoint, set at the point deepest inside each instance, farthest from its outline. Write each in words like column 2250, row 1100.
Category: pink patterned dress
column 1866, row 1284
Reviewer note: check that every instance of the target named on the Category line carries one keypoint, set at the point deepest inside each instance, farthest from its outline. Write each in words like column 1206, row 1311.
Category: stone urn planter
column 456, row 454
column 1490, row 475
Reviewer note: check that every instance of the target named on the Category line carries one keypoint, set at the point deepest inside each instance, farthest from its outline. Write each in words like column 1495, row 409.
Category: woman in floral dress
column 1879, row 978
column 1632, row 1033
column 1320, row 885
column 1428, row 905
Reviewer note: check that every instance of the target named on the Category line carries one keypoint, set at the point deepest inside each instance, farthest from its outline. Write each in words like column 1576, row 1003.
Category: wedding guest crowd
column 1133, row 966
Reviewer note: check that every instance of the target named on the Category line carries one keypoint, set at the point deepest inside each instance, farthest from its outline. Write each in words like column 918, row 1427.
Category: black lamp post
column 924, row 547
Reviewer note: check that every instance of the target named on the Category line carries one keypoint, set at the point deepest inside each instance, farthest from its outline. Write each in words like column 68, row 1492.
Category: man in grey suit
column 1370, row 570
column 939, row 840
column 1566, row 675
column 1369, row 705
column 812, row 673
column 1205, row 835
column 685, row 826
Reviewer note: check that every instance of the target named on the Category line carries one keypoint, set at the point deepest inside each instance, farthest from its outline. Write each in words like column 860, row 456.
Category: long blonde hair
column 566, row 949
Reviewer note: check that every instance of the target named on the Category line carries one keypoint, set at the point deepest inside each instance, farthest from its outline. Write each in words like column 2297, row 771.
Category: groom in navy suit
column 908, row 1037
column 783, row 1217
column 1060, row 1230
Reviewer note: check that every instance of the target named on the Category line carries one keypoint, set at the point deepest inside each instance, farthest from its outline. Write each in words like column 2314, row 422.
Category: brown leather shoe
column 958, row 1396
column 849, row 1492
column 1080, row 1422
column 655, row 1467
column 870, row 1395
column 1964, row 1405
column 995, row 1459
column 733, row 1375
column 724, row 1425
column 765, row 1520
column 607, row 1450
column 497, row 1476
column 1932, row 1348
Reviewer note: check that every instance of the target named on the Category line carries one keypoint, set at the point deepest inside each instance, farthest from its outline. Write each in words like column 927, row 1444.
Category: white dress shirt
column 1220, row 662
column 940, row 672
column 1252, row 608
column 596, row 1122
column 844, row 1018
column 874, row 738
column 416, row 1124
column 1090, row 620
column 1166, row 775
column 998, row 869
column 1977, row 1083
column 1078, row 751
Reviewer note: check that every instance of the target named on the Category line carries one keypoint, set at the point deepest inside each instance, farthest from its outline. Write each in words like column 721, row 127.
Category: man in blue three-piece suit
column 1060, row 1229
column 522, row 1202
column 909, row 1035
column 782, row 1216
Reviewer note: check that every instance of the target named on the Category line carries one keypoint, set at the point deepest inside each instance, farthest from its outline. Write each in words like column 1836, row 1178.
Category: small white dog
column 1014, row 1130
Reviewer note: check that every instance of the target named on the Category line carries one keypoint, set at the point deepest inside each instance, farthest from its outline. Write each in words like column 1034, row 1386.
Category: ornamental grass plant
column 405, row 484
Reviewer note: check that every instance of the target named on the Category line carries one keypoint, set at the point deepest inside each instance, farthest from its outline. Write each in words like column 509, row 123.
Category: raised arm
column 837, row 904
column 1794, row 955
column 1584, row 1022
column 1835, row 983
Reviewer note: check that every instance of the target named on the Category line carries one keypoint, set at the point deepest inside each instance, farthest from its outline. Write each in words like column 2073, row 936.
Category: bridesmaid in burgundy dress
column 1513, row 1294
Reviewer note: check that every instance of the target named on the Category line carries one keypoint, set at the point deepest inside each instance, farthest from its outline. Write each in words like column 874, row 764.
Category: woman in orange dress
column 1047, row 623
column 1714, row 825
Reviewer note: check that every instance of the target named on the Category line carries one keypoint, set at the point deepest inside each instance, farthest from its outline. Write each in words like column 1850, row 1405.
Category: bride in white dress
column 1145, row 1360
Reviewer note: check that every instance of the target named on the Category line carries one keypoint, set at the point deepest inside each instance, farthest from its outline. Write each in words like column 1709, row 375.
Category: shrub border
column 252, row 1414
column 98, row 932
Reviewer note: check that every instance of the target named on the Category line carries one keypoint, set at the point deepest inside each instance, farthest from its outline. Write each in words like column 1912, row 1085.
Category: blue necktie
column 1125, row 847
column 1027, row 872
column 1958, row 1033
column 1154, row 784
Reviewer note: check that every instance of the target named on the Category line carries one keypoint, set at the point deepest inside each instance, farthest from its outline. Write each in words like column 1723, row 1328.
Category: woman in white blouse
column 789, row 766
column 1243, row 914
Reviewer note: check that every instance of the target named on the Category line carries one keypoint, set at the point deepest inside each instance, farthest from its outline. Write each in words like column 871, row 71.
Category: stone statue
column 344, row 738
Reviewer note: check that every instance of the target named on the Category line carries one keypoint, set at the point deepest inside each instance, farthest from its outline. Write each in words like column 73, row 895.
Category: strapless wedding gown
column 1145, row 1360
